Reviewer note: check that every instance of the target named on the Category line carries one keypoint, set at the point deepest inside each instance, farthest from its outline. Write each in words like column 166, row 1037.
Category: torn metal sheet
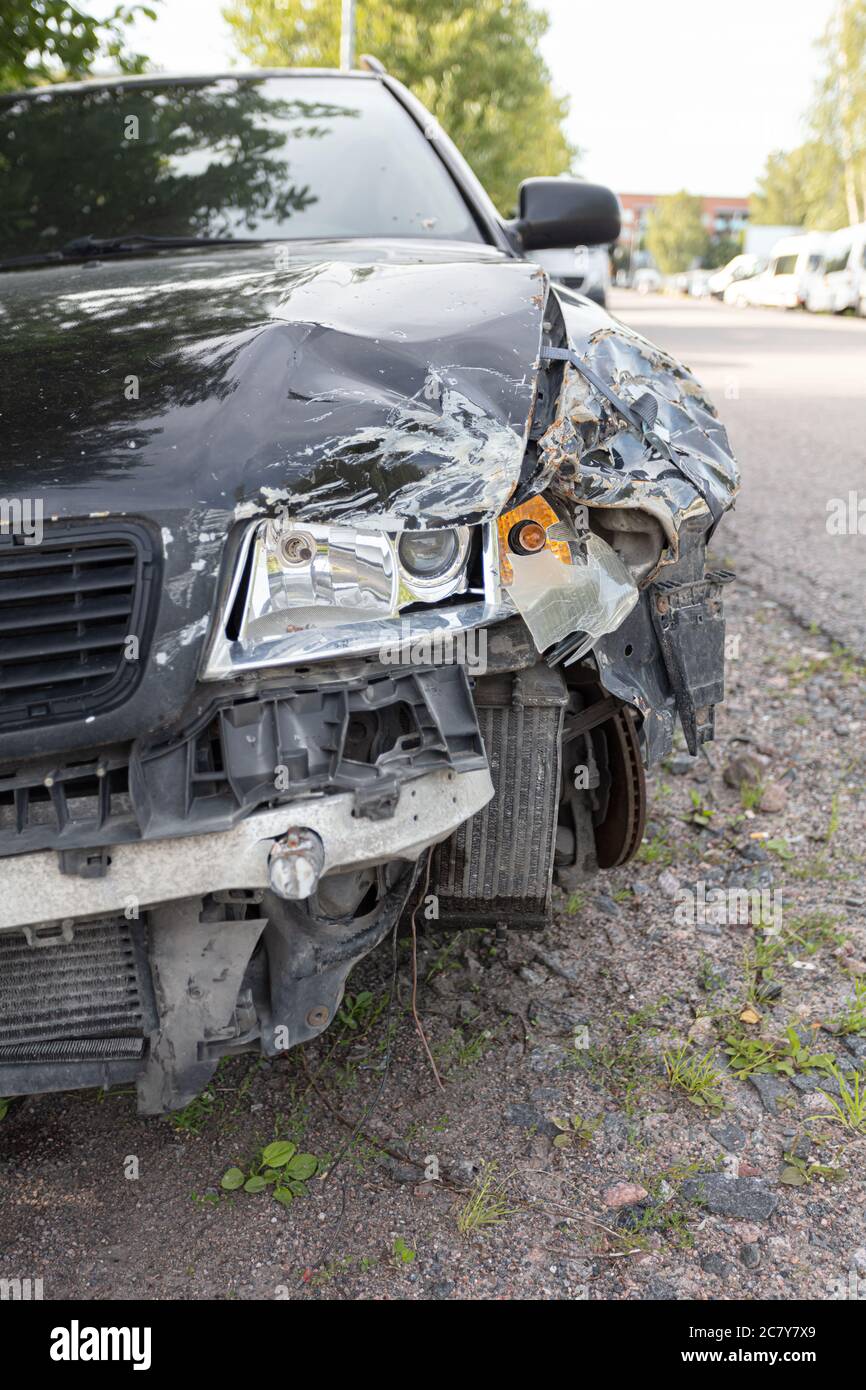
column 594, row 456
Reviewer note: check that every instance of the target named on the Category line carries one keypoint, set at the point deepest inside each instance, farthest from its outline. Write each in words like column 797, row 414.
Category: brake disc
column 618, row 836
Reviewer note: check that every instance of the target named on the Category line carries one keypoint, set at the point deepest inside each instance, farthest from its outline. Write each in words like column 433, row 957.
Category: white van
column 796, row 267
column 843, row 284
column 742, row 267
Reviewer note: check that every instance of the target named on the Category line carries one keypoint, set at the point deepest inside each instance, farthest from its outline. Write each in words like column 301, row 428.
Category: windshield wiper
column 91, row 247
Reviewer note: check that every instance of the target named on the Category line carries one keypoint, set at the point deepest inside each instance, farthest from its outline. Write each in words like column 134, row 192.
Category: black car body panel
column 364, row 384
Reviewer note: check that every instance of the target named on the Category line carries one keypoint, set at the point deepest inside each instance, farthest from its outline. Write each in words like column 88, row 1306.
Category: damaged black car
column 345, row 563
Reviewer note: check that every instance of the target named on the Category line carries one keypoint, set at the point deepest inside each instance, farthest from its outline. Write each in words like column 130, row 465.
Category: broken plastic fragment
column 592, row 592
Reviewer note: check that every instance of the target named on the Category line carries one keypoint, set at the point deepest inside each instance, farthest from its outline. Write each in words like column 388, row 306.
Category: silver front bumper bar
column 141, row 875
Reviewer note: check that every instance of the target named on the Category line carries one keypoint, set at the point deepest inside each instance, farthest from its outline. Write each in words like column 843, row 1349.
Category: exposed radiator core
column 497, row 867
column 85, row 982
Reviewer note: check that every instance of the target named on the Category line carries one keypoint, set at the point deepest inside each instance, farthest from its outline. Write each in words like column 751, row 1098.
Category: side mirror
column 565, row 212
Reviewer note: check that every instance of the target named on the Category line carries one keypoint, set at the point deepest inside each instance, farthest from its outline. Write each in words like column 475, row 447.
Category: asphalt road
column 791, row 389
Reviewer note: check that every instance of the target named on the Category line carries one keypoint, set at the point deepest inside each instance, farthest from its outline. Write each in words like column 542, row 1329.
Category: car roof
column 198, row 79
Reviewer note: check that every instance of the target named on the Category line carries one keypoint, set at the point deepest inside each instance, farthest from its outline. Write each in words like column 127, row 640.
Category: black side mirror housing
column 565, row 212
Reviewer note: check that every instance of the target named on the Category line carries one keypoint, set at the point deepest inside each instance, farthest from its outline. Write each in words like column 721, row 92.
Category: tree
column 676, row 236
column 780, row 199
column 49, row 40
column 839, row 113
column 474, row 63
column 822, row 183
column 803, row 187
column 720, row 250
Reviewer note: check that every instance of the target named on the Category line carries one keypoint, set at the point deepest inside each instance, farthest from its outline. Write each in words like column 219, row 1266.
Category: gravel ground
column 661, row 1191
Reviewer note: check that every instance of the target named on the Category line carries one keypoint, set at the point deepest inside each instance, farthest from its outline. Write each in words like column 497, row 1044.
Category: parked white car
column 647, row 280
column 582, row 268
column 796, row 267
column 742, row 267
column 843, row 283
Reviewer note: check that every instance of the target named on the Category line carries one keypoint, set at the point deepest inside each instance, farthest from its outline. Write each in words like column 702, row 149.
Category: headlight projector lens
column 428, row 554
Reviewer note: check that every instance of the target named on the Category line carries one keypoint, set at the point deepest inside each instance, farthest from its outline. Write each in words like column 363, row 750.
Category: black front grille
column 68, row 609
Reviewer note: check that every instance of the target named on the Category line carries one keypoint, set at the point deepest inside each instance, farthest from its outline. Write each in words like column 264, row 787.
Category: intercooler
column 73, row 993
column 498, row 867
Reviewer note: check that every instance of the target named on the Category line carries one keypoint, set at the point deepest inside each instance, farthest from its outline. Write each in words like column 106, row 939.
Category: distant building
column 722, row 216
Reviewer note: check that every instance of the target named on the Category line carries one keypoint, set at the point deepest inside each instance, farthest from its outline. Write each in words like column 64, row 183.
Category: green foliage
column 402, row 1253
column 722, row 249
column 696, row 1077
column 487, row 1204
column 50, row 40
column 850, row 1108
column 676, row 237
column 779, row 1057
column 577, row 1130
column 655, row 851
column 822, row 183
column 359, row 1011
column 475, row 64
column 853, row 1019
column 799, row 1172
column 278, row 1165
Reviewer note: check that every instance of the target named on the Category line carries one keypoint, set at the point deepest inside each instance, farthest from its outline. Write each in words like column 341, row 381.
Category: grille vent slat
column 67, row 607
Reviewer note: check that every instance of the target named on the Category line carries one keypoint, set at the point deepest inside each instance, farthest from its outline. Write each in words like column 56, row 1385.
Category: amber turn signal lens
column 542, row 516
column 527, row 537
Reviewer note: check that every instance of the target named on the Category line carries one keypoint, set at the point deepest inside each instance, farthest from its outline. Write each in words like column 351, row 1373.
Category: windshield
column 297, row 156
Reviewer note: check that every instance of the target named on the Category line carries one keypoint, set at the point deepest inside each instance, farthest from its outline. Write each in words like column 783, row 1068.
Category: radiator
column 64, row 996
column 497, row 867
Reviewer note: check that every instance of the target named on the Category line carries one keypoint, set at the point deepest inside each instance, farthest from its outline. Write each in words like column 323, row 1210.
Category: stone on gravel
column 718, row 1265
column 770, row 1089
column 774, row 798
column 526, row 1118
column 606, row 905
column 747, row 1199
column 810, row 1081
column 750, row 1256
column 729, row 1135
column 682, row 763
column 743, row 767
column 624, row 1194
column 754, row 854
column 702, row 1031
column 669, row 884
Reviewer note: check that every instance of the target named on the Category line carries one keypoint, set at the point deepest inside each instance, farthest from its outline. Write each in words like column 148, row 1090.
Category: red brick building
column 722, row 216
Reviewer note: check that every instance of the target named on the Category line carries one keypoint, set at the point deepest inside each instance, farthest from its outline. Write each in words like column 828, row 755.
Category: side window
column 840, row 262
column 785, row 265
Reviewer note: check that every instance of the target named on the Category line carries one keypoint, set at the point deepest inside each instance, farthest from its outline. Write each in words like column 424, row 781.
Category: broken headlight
column 310, row 592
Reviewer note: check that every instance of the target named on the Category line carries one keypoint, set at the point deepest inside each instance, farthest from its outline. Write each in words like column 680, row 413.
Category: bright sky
column 665, row 94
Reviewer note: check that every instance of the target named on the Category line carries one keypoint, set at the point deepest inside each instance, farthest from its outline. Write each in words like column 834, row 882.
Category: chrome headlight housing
column 303, row 592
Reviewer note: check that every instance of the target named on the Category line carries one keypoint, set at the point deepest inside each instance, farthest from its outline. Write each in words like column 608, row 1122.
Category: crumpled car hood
column 591, row 455
column 371, row 382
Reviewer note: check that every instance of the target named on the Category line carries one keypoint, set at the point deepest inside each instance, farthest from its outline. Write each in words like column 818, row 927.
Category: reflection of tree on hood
column 69, row 167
